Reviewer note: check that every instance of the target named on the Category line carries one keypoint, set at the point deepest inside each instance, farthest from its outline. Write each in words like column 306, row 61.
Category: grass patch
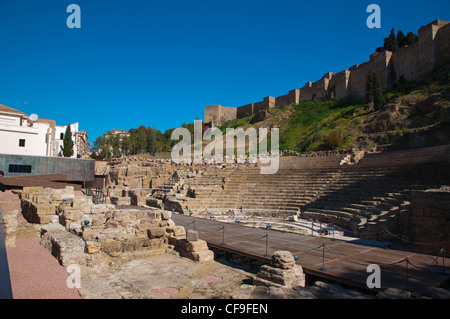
column 311, row 122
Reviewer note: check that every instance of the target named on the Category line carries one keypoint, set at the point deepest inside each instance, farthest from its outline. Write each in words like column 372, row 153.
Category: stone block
column 101, row 208
column 166, row 215
column 177, row 240
column 176, row 230
column 196, row 246
column 273, row 276
column 192, row 235
column 154, row 215
column 46, row 219
column 156, row 232
column 96, row 222
column 54, row 219
column 203, row 256
column 283, row 260
column 64, row 246
column 92, row 247
column 110, row 245
column 150, row 222
column 200, row 256
column 9, row 220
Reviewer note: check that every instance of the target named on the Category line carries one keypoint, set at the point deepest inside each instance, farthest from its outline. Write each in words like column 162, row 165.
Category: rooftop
column 4, row 108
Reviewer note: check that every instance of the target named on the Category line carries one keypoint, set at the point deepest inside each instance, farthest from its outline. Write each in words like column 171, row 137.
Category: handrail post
column 443, row 260
column 267, row 242
column 323, row 259
column 223, row 235
column 407, row 275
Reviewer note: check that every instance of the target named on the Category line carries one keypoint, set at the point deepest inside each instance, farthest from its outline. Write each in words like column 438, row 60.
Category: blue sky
column 158, row 63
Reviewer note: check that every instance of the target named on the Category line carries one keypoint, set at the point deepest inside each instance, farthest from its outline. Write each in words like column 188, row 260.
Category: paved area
column 34, row 272
column 5, row 281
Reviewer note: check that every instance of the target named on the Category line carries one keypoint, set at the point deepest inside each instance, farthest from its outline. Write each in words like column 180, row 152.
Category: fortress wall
column 244, row 111
column 358, row 80
column 358, row 74
column 269, row 102
column 294, row 96
column 212, row 113
column 306, row 92
column 259, row 106
column 404, row 62
column 414, row 62
column 320, row 89
column 427, row 51
column 381, row 64
column 227, row 114
column 443, row 43
column 282, row 100
column 218, row 114
column 338, row 85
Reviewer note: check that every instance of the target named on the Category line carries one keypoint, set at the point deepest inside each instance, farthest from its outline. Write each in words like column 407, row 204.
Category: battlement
column 414, row 62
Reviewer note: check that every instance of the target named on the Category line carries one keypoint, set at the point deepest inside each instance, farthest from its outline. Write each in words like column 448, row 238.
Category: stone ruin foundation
column 75, row 230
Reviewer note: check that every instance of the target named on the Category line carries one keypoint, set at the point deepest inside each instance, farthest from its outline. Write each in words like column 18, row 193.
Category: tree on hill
column 394, row 42
column 374, row 91
column 67, row 147
column 391, row 43
column 401, row 39
column 411, row 38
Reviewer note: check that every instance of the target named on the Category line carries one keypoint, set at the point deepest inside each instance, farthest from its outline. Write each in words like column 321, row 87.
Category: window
column 61, row 136
column 21, row 143
column 15, row 168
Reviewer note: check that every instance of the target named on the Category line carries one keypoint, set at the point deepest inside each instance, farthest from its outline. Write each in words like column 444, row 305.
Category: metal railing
column 98, row 196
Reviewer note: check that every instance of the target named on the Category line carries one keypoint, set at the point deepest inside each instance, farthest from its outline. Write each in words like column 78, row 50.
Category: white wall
column 14, row 128
column 58, row 142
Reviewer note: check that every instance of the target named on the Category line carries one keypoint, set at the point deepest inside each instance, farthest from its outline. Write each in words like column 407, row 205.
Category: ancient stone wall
column 431, row 220
column 413, row 62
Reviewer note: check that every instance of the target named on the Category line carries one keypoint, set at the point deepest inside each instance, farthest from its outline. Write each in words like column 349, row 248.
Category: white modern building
column 21, row 134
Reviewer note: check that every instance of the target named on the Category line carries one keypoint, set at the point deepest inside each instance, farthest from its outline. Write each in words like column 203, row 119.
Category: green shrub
column 333, row 140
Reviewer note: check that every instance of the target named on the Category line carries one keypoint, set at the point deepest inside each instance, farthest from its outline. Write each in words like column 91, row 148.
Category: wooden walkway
column 337, row 260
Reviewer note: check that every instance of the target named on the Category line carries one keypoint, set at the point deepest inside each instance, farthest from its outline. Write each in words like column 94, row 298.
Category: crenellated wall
column 413, row 62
